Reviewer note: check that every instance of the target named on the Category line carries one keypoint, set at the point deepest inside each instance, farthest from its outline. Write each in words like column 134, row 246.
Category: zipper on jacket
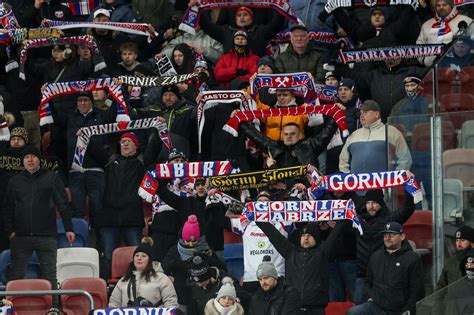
column 169, row 120
column 31, row 207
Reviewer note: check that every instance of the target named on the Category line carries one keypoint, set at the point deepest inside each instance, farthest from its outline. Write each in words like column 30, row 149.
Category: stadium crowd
column 289, row 267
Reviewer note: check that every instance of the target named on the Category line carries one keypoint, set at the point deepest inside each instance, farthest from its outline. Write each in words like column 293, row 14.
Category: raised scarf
column 367, row 181
column 332, row 5
column 192, row 14
column 87, row 132
column 256, row 179
column 232, row 125
column 130, row 28
column 149, row 184
column 222, row 198
column 4, row 131
column 299, row 81
column 302, row 211
column 442, row 24
column 135, row 311
column 385, row 53
column 155, row 81
column 87, row 40
column 18, row 35
column 7, row 18
column 211, row 99
column 52, row 90
column 165, row 67
column 319, row 38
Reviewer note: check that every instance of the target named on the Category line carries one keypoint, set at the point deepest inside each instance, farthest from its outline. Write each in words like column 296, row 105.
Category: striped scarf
column 192, row 14
column 302, row 211
column 7, row 18
column 155, row 81
column 149, row 184
column 366, row 181
column 385, row 53
column 339, row 115
column 87, row 40
column 87, row 132
column 300, row 82
column 442, row 24
column 135, row 311
column 52, row 90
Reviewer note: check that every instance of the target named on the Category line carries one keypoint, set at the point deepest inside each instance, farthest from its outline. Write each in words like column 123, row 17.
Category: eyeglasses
column 124, row 142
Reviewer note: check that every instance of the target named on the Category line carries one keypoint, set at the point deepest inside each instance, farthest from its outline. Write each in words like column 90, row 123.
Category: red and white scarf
column 339, row 115
column 52, row 90
column 442, row 24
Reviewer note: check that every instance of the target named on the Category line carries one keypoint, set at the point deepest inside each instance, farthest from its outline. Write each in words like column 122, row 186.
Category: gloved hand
column 241, row 72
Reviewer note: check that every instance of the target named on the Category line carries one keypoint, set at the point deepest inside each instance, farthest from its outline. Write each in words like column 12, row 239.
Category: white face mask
column 412, row 92
column 470, row 274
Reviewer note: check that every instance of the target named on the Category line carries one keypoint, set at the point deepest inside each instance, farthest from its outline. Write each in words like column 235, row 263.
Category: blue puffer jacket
column 121, row 11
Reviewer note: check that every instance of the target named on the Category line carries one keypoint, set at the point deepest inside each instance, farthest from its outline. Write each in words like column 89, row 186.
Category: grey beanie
column 450, row 2
column 267, row 269
column 227, row 289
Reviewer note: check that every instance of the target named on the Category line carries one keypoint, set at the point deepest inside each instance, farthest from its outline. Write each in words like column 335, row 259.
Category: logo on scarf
column 82, row 85
column 282, row 82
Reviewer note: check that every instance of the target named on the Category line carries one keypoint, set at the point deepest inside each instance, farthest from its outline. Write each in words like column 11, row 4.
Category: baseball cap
column 393, row 228
column 370, row 105
column 101, row 11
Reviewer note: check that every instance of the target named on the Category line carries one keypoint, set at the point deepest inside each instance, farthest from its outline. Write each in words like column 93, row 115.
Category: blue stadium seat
column 234, row 259
column 81, row 228
column 33, row 271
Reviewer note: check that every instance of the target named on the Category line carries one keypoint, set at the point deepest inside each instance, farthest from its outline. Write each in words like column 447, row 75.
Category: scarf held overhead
column 300, row 82
column 319, row 38
column 87, row 132
column 256, row 179
column 87, row 40
column 211, row 99
column 7, row 18
column 192, row 14
column 368, row 181
column 302, row 211
column 149, row 184
column 380, row 54
column 18, row 35
column 339, row 115
column 332, row 5
column 134, row 311
column 155, row 81
column 52, row 90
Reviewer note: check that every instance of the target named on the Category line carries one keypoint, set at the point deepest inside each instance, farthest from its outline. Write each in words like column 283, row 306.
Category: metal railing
column 50, row 292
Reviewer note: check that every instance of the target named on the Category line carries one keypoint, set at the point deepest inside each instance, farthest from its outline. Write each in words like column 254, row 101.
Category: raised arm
column 281, row 243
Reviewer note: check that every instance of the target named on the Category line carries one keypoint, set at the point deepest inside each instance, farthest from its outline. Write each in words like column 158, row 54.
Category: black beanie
column 375, row 195
column 466, row 233
column 171, row 88
column 311, row 229
column 30, row 149
column 144, row 248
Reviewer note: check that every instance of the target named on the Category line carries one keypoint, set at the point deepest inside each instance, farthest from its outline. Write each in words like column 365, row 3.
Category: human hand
column 234, row 112
column 241, row 72
column 169, row 33
column 38, row 3
column 70, row 237
column 158, row 56
column 11, row 236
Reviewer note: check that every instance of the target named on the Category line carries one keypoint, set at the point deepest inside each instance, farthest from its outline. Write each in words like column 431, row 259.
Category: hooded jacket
column 310, row 61
column 281, row 300
column 395, row 281
column 159, row 288
column 306, row 269
column 372, row 240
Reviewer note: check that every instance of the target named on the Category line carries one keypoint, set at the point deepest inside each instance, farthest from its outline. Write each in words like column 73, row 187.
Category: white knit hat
column 227, row 289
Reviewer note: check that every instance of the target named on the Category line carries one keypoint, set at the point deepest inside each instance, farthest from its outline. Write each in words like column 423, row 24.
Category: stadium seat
column 121, row 258
column 459, row 163
column 338, row 308
column 454, row 102
column 467, row 135
column 419, row 229
column 445, row 80
column 468, row 86
column 234, row 259
column 81, row 229
column 27, row 304
column 453, row 199
column 33, row 271
column 421, row 140
column 79, row 304
column 230, row 238
column 77, row 262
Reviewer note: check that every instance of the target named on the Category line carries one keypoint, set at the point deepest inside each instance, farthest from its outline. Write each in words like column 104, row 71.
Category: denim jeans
column 111, row 237
column 88, row 184
column 359, row 291
column 367, row 308
column 342, row 277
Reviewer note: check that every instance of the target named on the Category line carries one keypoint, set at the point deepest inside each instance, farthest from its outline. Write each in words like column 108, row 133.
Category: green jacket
column 311, row 61
column 450, row 272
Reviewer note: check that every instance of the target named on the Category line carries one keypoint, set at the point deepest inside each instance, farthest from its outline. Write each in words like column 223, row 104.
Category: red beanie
column 246, row 10
column 191, row 230
column 131, row 136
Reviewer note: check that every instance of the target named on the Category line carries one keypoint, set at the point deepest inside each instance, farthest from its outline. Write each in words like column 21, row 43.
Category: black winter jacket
column 282, row 300
column 258, row 35
column 302, row 153
column 29, row 205
column 306, row 270
column 372, row 240
column 395, row 281
column 122, row 207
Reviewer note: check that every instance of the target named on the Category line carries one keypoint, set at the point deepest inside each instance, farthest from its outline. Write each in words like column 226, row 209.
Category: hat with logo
column 174, row 154
column 393, row 228
column 200, row 270
column 101, row 11
column 171, row 88
column 466, row 233
column 348, row 83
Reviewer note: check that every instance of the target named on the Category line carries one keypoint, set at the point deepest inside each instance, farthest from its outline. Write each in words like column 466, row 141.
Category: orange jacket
column 273, row 126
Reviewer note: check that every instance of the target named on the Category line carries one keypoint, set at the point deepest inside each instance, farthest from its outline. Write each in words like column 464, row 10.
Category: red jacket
column 226, row 68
